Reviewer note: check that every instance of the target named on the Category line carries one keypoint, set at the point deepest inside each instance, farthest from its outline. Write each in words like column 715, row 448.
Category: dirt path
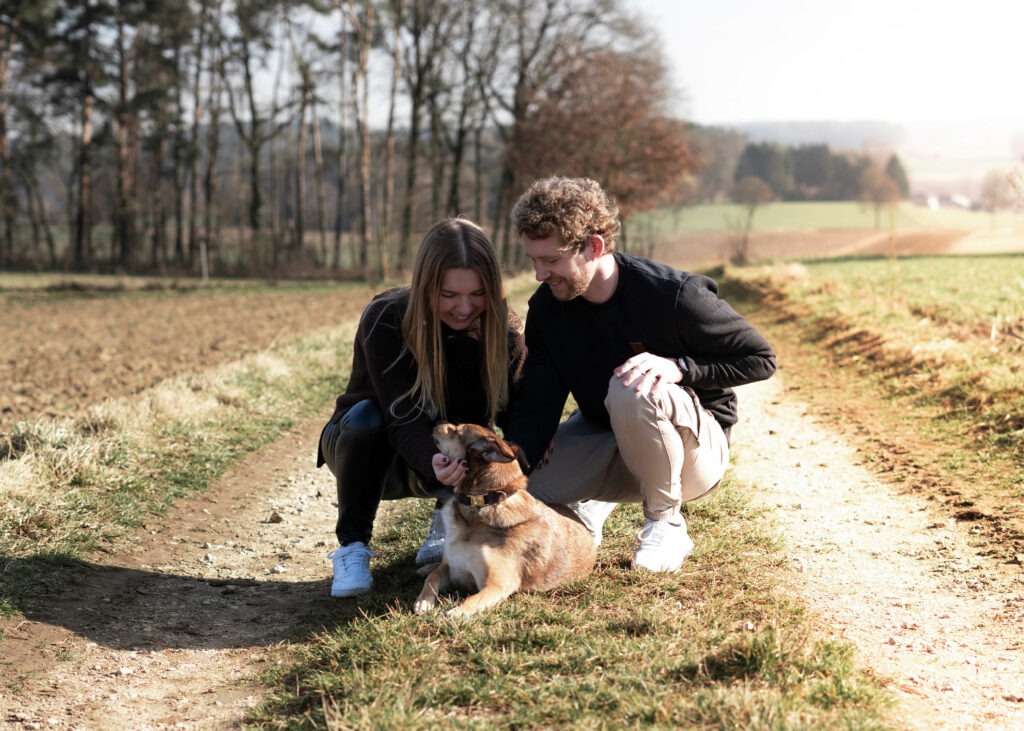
column 941, row 623
column 173, row 632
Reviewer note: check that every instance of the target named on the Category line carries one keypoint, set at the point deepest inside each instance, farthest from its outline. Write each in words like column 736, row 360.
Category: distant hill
column 837, row 135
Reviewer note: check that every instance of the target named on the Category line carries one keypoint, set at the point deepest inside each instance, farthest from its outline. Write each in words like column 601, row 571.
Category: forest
column 321, row 136
column 304, row 135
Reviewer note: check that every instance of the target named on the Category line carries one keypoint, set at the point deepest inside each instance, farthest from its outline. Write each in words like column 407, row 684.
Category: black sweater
column 573, row 347
column 383, row 370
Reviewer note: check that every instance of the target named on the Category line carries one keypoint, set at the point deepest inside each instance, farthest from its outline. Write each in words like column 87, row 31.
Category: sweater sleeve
column 516, row 363
column 538, row 407
column 724, row 349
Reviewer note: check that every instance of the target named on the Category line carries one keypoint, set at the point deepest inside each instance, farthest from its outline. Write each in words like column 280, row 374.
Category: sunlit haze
column 944, row 69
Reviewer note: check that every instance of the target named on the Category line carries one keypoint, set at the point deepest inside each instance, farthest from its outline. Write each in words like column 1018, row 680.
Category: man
column 650, row 355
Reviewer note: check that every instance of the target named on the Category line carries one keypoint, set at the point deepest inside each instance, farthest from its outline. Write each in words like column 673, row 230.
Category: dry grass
column 715, row 646
column 70, row 485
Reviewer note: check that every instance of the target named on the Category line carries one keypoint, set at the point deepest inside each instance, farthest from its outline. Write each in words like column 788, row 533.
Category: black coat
column 383, row 370
column 573, row 347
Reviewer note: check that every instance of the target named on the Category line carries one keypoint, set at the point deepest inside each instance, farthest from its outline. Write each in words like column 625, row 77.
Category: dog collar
column 479, row 501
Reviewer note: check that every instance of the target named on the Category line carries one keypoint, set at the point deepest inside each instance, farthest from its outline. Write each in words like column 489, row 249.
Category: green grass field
column 942, row 336
column 822, row 216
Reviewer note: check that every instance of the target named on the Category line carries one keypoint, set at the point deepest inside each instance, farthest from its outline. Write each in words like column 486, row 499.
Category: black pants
column 355, row 447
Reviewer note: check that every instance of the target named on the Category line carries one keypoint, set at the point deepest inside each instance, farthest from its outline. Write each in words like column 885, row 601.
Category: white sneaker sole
column 350, row 591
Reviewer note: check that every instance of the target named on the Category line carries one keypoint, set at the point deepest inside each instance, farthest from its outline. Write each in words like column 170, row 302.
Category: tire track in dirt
column 173, row 630
column 941, row 624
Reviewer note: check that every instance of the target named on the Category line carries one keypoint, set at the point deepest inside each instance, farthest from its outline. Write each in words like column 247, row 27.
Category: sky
column 933, row 64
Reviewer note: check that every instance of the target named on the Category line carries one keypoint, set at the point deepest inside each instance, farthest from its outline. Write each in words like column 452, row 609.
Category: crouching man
column 650, row 355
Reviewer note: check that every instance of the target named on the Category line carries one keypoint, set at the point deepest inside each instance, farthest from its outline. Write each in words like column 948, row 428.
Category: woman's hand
column 448, row 472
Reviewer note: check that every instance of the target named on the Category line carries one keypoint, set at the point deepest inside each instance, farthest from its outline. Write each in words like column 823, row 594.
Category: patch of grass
column 821, row 215
column 714, row 646
column 945, row 332
column 937, row 342
column 70, row 486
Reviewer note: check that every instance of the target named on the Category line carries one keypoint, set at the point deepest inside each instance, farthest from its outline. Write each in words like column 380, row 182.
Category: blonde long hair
column 454, row 243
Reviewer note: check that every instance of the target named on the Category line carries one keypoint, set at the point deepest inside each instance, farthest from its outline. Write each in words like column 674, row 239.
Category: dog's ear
column 493, row 449
column 520, row 456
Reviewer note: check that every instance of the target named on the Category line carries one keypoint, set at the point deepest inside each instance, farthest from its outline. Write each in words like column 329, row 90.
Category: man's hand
column 647, row 373
column 447, row 471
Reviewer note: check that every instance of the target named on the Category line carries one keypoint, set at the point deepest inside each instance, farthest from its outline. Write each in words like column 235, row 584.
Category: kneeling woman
column 444, row 348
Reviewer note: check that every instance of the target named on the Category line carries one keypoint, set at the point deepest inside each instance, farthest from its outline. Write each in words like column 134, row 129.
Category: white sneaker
column 351, row 569
column 593, row 513
column 433, row 545
column 663, row 546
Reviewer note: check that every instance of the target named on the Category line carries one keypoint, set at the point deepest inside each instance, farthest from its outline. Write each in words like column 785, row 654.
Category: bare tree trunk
column 458, row 152
column 504, row 192
column 478, row 176
column 437, row 165
column 184, row 248
column 83, row 211
column 404, row 241
column 7, row 197
column 244, row 231
column 341, row 199
column 275, row 200
column 282, row 236
column 211, row 214
column 360, row 98
column 125, row 217
column 205, row 24
column 33, row 216
column 389, row 149
column 250, row 134
column 321, row 191
column 300, row 181
column 468, row 98
column 159, row 209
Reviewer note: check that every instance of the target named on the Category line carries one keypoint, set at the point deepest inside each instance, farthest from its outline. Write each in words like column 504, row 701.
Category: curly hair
column 574, row 208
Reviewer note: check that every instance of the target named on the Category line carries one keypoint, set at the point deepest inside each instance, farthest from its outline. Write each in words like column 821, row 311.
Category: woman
column 444, row 348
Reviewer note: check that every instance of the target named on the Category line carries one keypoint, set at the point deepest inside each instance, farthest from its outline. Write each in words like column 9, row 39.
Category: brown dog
column 499, row 539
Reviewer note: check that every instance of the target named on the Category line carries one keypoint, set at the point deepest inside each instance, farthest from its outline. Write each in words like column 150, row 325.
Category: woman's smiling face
column 461, row 299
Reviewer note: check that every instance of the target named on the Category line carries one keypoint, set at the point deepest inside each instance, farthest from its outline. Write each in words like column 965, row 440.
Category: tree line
column 815, row 172
column 300, row 135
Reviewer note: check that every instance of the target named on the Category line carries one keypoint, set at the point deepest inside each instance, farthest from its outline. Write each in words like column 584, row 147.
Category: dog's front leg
column 437, row 581
column 500, row 583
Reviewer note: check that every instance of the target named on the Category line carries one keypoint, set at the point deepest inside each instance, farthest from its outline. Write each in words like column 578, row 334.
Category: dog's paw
column 460, row 611
column 422, row 606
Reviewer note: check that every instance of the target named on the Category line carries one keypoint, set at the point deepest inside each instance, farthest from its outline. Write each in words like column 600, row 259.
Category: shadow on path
column 130, row 608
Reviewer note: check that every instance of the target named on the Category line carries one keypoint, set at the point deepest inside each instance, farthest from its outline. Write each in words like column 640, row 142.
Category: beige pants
column 660, row 451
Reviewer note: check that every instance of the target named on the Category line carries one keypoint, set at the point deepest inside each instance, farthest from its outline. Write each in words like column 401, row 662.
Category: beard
column 568, row 288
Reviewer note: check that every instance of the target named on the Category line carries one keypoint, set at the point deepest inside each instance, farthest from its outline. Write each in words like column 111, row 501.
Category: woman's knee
column 364, row 416
column 359, row 429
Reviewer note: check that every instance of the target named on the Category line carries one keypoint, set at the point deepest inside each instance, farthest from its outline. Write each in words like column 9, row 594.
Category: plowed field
column 62, row 351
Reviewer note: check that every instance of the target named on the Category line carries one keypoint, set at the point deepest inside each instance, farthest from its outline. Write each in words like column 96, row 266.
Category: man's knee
column 625, row 404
